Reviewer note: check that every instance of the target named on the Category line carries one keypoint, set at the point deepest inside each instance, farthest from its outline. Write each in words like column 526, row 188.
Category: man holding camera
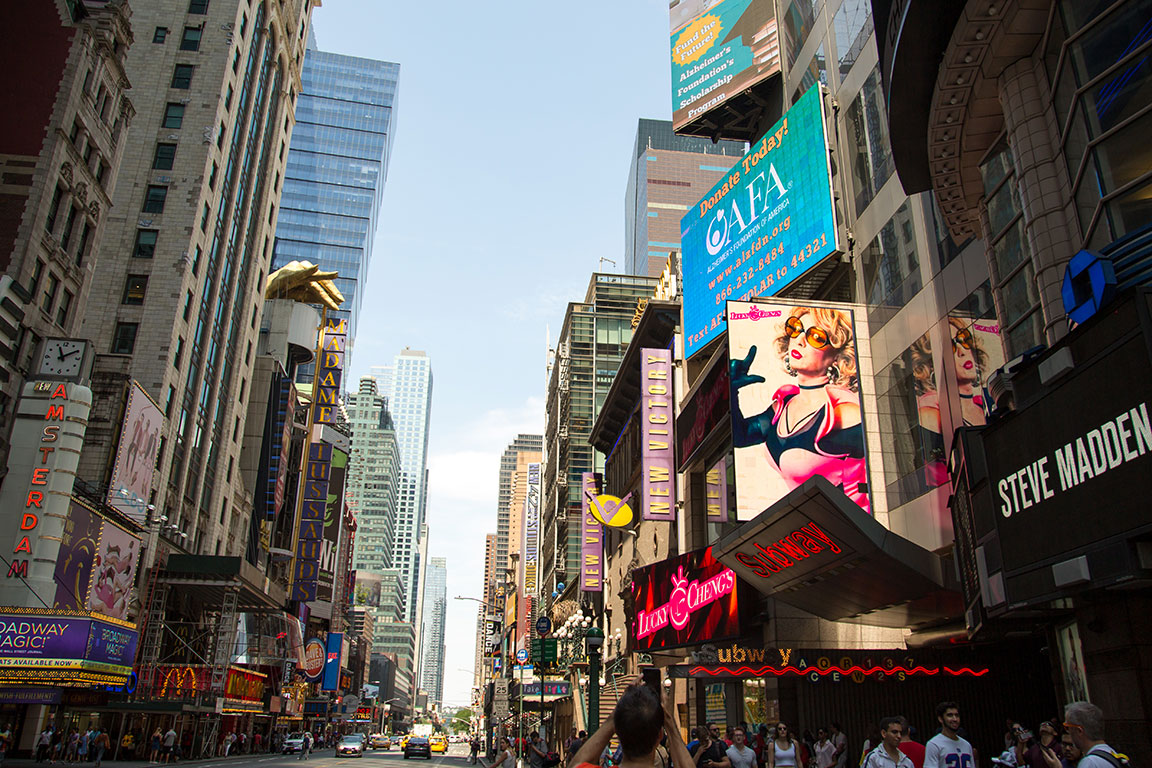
column 639, row 721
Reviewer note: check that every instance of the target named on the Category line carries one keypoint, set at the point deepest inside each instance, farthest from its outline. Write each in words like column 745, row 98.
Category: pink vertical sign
column 658, row 460
column 591, row 537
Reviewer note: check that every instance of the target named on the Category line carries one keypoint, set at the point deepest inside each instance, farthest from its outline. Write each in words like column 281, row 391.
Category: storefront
column 1052, row 518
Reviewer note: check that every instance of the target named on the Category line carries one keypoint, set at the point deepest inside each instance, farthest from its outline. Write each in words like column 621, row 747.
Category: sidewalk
column 28, row 762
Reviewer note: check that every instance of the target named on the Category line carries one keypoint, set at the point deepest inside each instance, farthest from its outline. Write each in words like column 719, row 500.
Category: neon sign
column 38, row 482
column 802, row 543
column 855, row 671
column 687, row 598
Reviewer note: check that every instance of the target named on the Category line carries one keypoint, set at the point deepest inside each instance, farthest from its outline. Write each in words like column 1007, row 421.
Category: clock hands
column 73, row 352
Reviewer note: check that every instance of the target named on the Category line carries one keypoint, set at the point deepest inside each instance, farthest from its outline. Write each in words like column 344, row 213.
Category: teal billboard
column 719, row 50
column 764, row 225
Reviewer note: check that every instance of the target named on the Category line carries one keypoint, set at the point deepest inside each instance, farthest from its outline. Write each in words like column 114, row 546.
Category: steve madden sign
column 1082, row 460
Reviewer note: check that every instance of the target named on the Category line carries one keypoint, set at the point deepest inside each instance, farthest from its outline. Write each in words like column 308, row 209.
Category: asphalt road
column 457, row 757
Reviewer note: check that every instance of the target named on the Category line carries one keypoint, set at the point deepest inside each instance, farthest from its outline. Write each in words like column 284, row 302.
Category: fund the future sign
column 763, row 226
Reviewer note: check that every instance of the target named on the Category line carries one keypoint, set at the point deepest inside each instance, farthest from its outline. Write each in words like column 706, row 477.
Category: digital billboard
column 131, row 482
column 764, row 225
column 684, row 601
column 719, row 50
column 795, row 402
column 50, row 645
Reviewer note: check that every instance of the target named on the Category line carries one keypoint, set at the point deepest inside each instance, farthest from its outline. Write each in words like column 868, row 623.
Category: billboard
column 763, row 226
column 113, row 572
column 531, row 532
column 684, row 601
column 330, row 370
column 591, row 536
column 131, row 484
column 333, row 648
column 658, row 453
column 795, row 402
column 314, row 505
column 719, row 50
column 75, row 557
column 55, row 646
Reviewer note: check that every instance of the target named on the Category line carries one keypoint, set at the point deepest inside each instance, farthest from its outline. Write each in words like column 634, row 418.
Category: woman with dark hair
column 812, row 427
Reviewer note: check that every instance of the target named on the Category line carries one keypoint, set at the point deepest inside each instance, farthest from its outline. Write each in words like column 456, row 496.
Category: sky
column 514, row 129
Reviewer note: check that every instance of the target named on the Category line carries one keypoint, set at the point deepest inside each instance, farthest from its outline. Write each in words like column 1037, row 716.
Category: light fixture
column 667, row 682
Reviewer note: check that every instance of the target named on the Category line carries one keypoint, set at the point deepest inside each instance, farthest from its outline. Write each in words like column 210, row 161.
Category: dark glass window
column 160, row 35
column 182, row 76
column 154, row 200
column 198, row 6
column 124, row 339
column 53, row 210
column 188, row 305
column 50, row 288
column 212, row 176
column 164, row 157
column 173, row 115
column 135, row 286
column 82, row 246
column 145, row 247
column 204, row 218
column 63, row 309
column 69, row 225
column 191, row 39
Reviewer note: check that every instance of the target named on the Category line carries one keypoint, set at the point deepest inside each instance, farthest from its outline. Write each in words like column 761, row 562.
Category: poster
column 1072, row 672
column 113, row 572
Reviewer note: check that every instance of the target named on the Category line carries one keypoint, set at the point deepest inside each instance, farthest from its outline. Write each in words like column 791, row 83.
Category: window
column 50, row 288
column 212, row 177
column 869, row 150
column 228, row 98
column 145, row 247
column 198, row 7
column 179, row 352
column 173, row 115
column 204, row 218
column 154, row 199
column 75, row 133
column 88, row 80
column 243, row 24
column 82, row 245
column 35, row 283
column 53, row 210
column 135, row 286
column 236, row 61
column 220, row 136
column 191, row 39
column 196, row 260
column 69, row 225
column 164, row 157
column 101, row 168
column 188, row 305
column 182, row 76
column 63, row 309
column 168, row 402
column 124, row 338
column 159, row 36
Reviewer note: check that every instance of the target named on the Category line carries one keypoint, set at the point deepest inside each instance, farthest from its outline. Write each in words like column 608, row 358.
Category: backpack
column 551, row 759
column 1115, row 759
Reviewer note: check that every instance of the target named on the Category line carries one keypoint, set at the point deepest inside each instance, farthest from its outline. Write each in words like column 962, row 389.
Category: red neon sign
column 802, row 543
column 791, row 671
column 687, row 598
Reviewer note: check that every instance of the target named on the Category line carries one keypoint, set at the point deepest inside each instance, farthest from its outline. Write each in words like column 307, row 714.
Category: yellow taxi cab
column 404, row 741
column 438, row 742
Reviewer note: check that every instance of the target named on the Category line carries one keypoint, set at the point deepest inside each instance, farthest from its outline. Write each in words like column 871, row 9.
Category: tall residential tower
column 436, row 600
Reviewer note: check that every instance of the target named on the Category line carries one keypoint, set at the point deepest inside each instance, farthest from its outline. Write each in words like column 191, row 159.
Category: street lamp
column 594, row 640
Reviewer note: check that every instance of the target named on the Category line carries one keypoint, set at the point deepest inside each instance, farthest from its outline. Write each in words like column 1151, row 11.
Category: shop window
column 182, row 76
column 154, row 198
column 164, row 158
column 173, row 115
column 135, row 287
column 869, row 149
column 145, row 247
column 190, row 40
column 124, row 338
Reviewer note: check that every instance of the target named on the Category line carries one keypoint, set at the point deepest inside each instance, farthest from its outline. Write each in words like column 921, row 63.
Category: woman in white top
column 504, row 756
column 785, row 752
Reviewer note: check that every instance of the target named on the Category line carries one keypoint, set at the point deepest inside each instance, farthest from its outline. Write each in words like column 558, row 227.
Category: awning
column 817, row 550
column 213, row 576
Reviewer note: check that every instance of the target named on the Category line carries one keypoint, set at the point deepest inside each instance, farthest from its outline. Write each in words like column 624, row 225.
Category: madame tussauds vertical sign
column 51, row 419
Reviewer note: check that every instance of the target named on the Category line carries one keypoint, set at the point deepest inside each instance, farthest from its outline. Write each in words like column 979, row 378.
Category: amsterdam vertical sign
column 658, row 453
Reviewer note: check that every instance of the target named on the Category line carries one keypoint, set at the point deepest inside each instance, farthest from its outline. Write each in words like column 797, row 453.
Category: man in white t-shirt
column 824, row 749
column 740, row 754
column 1085, row 723
column 840, row 743
column 948, row 749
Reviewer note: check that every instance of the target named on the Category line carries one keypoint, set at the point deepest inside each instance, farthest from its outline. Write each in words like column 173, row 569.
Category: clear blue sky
column 515, row 125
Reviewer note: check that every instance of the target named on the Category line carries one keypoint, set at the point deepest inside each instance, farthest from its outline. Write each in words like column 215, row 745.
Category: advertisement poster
column 113, row 572
column 1072, row 671
column 332, row 650
column 74, row 560
column 763, row 226
column 795, row 402
column 719, row 50
column 65, row 642
column 131, row 482
column 684, row 601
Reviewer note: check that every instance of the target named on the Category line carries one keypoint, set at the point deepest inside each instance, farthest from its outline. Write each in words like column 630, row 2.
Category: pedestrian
column 568, row 751
column 638, row 721
column 909, row 746
column 83, row 742
column 784, row 751
column 948, row 749
column 840, row 741
column 823, row 751
column 537, row 750
column 128, row 746
column 169, row 744
column 43, row 741
column 101, row 745
column 1070, row 754
column 740, row 755
column 709, row 752
column 5, row 742
column 504, row 757
column 887, row 753
column 305, row 746
column 474, row 750
column 1085, row 724
column 1033, row 757
column 154, row 746
column 728, row 731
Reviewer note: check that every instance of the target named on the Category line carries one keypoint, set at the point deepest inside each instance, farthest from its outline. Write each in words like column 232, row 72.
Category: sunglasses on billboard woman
column 816, row 337
column 963, row 338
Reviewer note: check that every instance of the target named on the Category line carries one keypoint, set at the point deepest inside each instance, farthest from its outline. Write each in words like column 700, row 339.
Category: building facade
column 668, row 174
column 522, row 451
column 436, row 615
column 336, row 170
column 373, row 477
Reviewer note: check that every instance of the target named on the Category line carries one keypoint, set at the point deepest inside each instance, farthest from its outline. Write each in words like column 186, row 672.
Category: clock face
column 62, row 357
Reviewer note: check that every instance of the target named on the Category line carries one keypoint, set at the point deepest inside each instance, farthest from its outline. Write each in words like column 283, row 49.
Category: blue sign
column 333, row 649
column 543, row 625
column 1089, row 284
column 521, row 655
column 763, row 226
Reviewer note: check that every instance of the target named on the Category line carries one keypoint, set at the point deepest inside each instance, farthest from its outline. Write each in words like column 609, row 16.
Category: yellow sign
column 610, row 510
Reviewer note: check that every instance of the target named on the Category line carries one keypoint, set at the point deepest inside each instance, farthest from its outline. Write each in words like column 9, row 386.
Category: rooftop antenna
column 605, row 259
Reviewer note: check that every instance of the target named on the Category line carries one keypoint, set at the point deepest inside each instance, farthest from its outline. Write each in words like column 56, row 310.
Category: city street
column 457, row 756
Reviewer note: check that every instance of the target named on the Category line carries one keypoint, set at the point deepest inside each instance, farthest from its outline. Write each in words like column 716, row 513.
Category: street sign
column 543, row 626
column 544, row 651
column 521, row 655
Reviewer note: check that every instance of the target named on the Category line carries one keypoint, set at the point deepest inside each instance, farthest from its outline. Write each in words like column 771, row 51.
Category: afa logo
column 610, row 510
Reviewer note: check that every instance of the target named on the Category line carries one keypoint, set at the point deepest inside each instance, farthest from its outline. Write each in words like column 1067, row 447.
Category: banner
column 591, row 537
column 332, row 661
column 531, row 532
column 795, row 402
column 658, row 453
column 130, row 486
column 113, row 572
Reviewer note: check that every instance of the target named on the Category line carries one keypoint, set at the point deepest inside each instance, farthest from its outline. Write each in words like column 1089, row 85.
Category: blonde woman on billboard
column 813, row 426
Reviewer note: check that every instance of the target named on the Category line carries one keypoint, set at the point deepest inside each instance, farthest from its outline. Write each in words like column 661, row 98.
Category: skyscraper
column 337, row 166
column 521, row 452
column 407, row 384
column 436, row 613
column 668, row 174
column 373, row 477
column 182, row 267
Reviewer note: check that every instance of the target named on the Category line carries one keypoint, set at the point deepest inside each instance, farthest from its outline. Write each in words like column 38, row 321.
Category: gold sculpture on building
column 303, row 281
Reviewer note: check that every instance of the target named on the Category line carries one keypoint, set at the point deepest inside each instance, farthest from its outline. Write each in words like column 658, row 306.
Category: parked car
column 439, row 743
column 350, row 745
column 379, row 741
column 295, row 742
column 418, row 746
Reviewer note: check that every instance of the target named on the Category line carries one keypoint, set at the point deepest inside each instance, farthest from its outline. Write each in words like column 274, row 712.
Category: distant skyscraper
column 521, row 452
column 337, row 166
column 669, row 173
column 373, row 477
column 435, row 613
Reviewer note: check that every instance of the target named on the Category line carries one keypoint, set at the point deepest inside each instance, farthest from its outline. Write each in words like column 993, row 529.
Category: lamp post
column 594, row 640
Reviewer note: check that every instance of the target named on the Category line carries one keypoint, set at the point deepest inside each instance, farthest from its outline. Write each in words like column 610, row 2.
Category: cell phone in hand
column 651, row 677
